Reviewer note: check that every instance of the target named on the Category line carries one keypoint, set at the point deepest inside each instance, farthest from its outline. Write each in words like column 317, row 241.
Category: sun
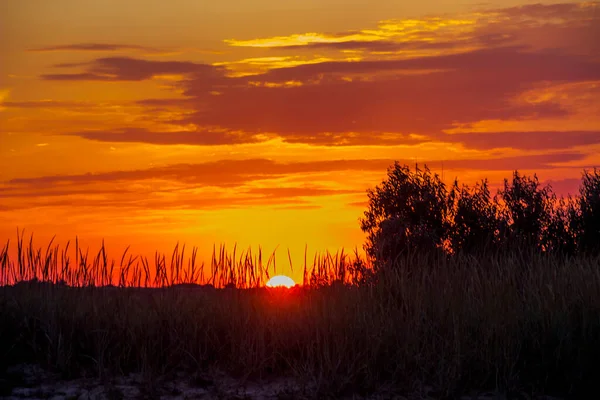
column 281, row 281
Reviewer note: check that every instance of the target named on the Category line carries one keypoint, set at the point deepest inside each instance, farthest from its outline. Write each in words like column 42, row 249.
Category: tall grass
column 74, row 266
column 516, row 321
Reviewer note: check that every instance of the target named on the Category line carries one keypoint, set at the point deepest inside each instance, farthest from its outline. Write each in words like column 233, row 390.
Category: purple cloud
column 131, row 69
column 93, row 47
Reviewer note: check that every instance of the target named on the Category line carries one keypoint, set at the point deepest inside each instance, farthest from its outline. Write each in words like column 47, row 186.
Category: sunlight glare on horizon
column 281, row 281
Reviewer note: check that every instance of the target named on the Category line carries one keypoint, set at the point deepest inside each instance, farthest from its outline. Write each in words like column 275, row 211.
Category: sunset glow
column 147, row 123
column 281, row 281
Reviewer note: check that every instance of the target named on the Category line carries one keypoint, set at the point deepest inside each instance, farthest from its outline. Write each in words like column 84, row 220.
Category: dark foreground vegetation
column 461, row 291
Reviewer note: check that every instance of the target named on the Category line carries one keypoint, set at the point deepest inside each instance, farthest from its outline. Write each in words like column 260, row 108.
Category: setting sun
column 281, row 281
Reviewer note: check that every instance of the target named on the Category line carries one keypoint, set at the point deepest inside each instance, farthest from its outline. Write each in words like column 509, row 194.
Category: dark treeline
column 414, row 210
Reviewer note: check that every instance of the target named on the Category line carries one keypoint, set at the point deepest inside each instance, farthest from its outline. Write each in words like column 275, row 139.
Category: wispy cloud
column 191, row 137
column 48, row 104
column 225, row 183
column 538, row 140
column 228, row 173
column 131, row 69
column 94, row 47
column 464, row 31
column 406, row 29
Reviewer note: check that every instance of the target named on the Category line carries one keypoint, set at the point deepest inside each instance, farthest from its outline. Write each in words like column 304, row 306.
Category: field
column 512, row 323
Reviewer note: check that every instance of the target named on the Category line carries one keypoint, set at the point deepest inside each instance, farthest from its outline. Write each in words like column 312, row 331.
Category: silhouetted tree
column 559, row 234
column 408, row 211
column 413, row 211
column 526, row 210
column 475, row 221
column 587, row 222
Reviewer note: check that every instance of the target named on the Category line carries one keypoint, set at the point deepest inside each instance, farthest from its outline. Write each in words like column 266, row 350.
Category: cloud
column 479, row 29
column 539, row 140
column 529, row 162
column 372, row 46
column 218, row 184
column 207, row 137
column 223, row 173
column 516, row 62
column 48, row 104
column 397, row 30
column 184, row 103
column 93, row 47
column 226, row 183
column 471, row 68
column 139, row 135
column 132, row 69
column 543, row 12
column 355, row 100
column 285, row 192
column 228, row 173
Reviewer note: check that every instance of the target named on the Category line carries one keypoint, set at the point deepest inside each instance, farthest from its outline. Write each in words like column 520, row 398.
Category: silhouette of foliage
column 587, row 222
column 527, row 210
column 559, row 235
column 412, row 210
column 408, row 211
column 475, row 218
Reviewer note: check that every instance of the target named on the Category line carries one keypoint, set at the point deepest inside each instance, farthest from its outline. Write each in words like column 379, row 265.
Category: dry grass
column 517, row 321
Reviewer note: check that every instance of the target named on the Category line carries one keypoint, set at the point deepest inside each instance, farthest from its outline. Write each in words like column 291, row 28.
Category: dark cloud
column 223, row 173
column 138, row 135
column 131, row 69
column 79, row 77
column 184, row 103
column 550, row 11
column 433, row 41
column 371, row 46
column 531, row 162
column 135, row 202
column 93, row 47
column 204, row 185
column 228, row 173
column 515, row 62
column 375, row 102
column 215, row 137
column 47, row 104
column 285, row 192
column 547, row 140
column 465, row 88
column 360, row 204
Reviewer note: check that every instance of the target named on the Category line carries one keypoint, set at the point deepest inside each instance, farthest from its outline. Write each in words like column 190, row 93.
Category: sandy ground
column 31, row 382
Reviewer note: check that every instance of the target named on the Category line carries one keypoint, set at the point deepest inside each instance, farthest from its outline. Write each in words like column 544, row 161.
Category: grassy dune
column 514, row 322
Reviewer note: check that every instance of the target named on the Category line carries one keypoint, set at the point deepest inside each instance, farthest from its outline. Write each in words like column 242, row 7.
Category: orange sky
column 148, row 122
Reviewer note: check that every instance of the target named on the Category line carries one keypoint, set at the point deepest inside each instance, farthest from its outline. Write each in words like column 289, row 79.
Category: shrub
column 526, row 210
column 559, row 235
column 587, row 222
column 475, row 218
column 407, row 212
column 413, row 211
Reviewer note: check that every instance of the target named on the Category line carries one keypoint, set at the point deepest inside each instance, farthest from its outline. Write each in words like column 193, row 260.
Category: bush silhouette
column 559, row 235
column 412, row 210
column 526, row 211
column 475, row 222
column 407, row 212
column 587, row 221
